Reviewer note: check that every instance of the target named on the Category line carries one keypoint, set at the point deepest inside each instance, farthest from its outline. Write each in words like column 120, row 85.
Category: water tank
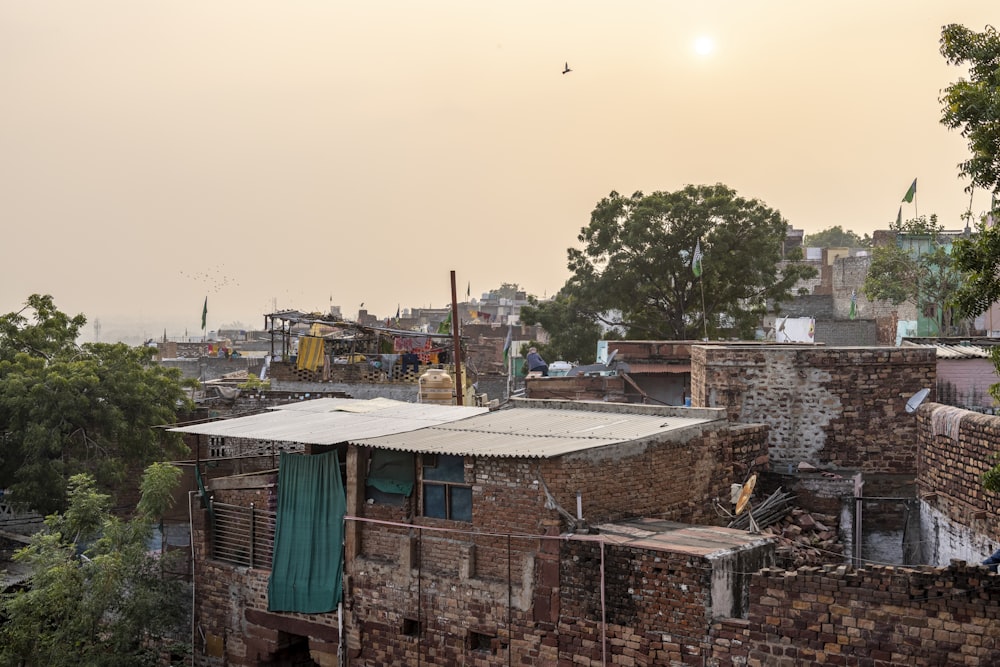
column 559, row 368
column 436, row 386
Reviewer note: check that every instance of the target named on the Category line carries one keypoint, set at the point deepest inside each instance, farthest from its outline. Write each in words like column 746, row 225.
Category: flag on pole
column 899, row 217
column 696, row 261
column 854, row 304
column 204, row 313
column 506, row 345
column 468, row 290
column 908, row 197
column 445, row 326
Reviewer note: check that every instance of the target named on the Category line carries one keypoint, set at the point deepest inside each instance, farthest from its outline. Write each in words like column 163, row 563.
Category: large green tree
column 918, row 269
column 635, row 269
column 66, row 409
column 96, row 595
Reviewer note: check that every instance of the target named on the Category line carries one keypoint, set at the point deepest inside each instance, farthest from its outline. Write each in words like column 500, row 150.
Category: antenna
column 916, row 400
column 743, row 502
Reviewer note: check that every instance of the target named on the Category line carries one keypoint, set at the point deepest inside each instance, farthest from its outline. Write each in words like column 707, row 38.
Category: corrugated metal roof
column 532, row 433
column 944, row 351
column 327, row 421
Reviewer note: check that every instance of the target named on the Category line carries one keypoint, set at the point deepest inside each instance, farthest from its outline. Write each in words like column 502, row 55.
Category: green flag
column 908, row 197
column 204, row 313
column 696, row 260
column 445, row 326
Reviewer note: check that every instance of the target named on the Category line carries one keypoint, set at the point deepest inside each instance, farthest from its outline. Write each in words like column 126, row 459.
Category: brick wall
column 878, row 616
column 490, row 585
column 955, row 447
column 840, row 407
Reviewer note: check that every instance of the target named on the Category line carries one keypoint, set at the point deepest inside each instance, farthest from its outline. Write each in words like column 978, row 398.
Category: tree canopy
column 918, row 269
column 635, row 267
column 972, row 105
column 66, row 409
column 573, row 335
column 97, row 596
column 836, row 237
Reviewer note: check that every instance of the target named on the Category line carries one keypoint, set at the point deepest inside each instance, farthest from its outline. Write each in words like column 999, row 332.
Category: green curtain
column 391, row 471
column 308, row 536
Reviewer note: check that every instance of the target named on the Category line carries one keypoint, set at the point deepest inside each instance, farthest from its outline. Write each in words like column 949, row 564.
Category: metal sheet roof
column 328, row 421
column 944, row 351
column 532, row 433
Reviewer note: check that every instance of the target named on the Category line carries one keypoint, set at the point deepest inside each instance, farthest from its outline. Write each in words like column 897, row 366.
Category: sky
column 303, row 154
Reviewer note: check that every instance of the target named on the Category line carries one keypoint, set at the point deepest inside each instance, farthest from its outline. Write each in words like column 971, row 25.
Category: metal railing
column 243, row 536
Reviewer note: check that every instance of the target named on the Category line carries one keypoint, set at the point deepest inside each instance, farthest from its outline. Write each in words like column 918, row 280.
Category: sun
column 704, row 45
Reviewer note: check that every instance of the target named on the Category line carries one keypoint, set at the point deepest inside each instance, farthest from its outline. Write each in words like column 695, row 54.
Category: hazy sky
column 302, row 153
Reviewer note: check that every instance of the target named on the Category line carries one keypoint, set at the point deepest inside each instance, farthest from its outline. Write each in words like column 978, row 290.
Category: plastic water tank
column 559, row 368
column 436, row 386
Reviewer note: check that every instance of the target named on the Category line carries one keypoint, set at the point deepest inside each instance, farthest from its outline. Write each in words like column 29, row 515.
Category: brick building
column 526, row 581
column 493, row 554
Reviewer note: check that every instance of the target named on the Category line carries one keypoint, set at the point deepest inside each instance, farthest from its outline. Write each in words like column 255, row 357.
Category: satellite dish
column 745, row 493
column 917, row 399
column 611, row 357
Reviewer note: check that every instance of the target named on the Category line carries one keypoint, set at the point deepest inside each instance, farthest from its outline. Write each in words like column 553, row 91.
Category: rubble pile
column 806, row 539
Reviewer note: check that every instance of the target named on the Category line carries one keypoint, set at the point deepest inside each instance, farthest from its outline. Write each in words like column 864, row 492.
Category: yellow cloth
column 310, row 353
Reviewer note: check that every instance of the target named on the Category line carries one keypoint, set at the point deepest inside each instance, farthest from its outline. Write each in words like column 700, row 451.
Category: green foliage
column 254, row 383
column 158, row 482
column 48, row 333
column 979, row 259
column 972, row 105
column 507, row 291
column 96, row 596
column 634, row 269
column 918, row 268
column 836, row 237
column 991, row 478
column 573, row 335
column 66, row 409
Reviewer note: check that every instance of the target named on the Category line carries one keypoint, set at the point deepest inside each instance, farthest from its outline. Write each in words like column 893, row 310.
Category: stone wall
column 837, row 407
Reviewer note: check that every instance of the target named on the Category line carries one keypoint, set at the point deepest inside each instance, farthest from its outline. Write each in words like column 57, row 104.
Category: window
column 390, row 477
column 411, row 627
column 446, row 496
column 479, row 641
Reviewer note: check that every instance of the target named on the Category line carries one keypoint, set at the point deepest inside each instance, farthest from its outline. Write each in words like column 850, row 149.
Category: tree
column 635, row 269
column 917, row 269
column 835, row 237
column 573, row 335
column 972, row 105
column 507, row 291
column 96, row 596
column 66, row 409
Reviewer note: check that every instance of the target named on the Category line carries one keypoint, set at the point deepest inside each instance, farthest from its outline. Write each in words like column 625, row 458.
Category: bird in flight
column 566, row 69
